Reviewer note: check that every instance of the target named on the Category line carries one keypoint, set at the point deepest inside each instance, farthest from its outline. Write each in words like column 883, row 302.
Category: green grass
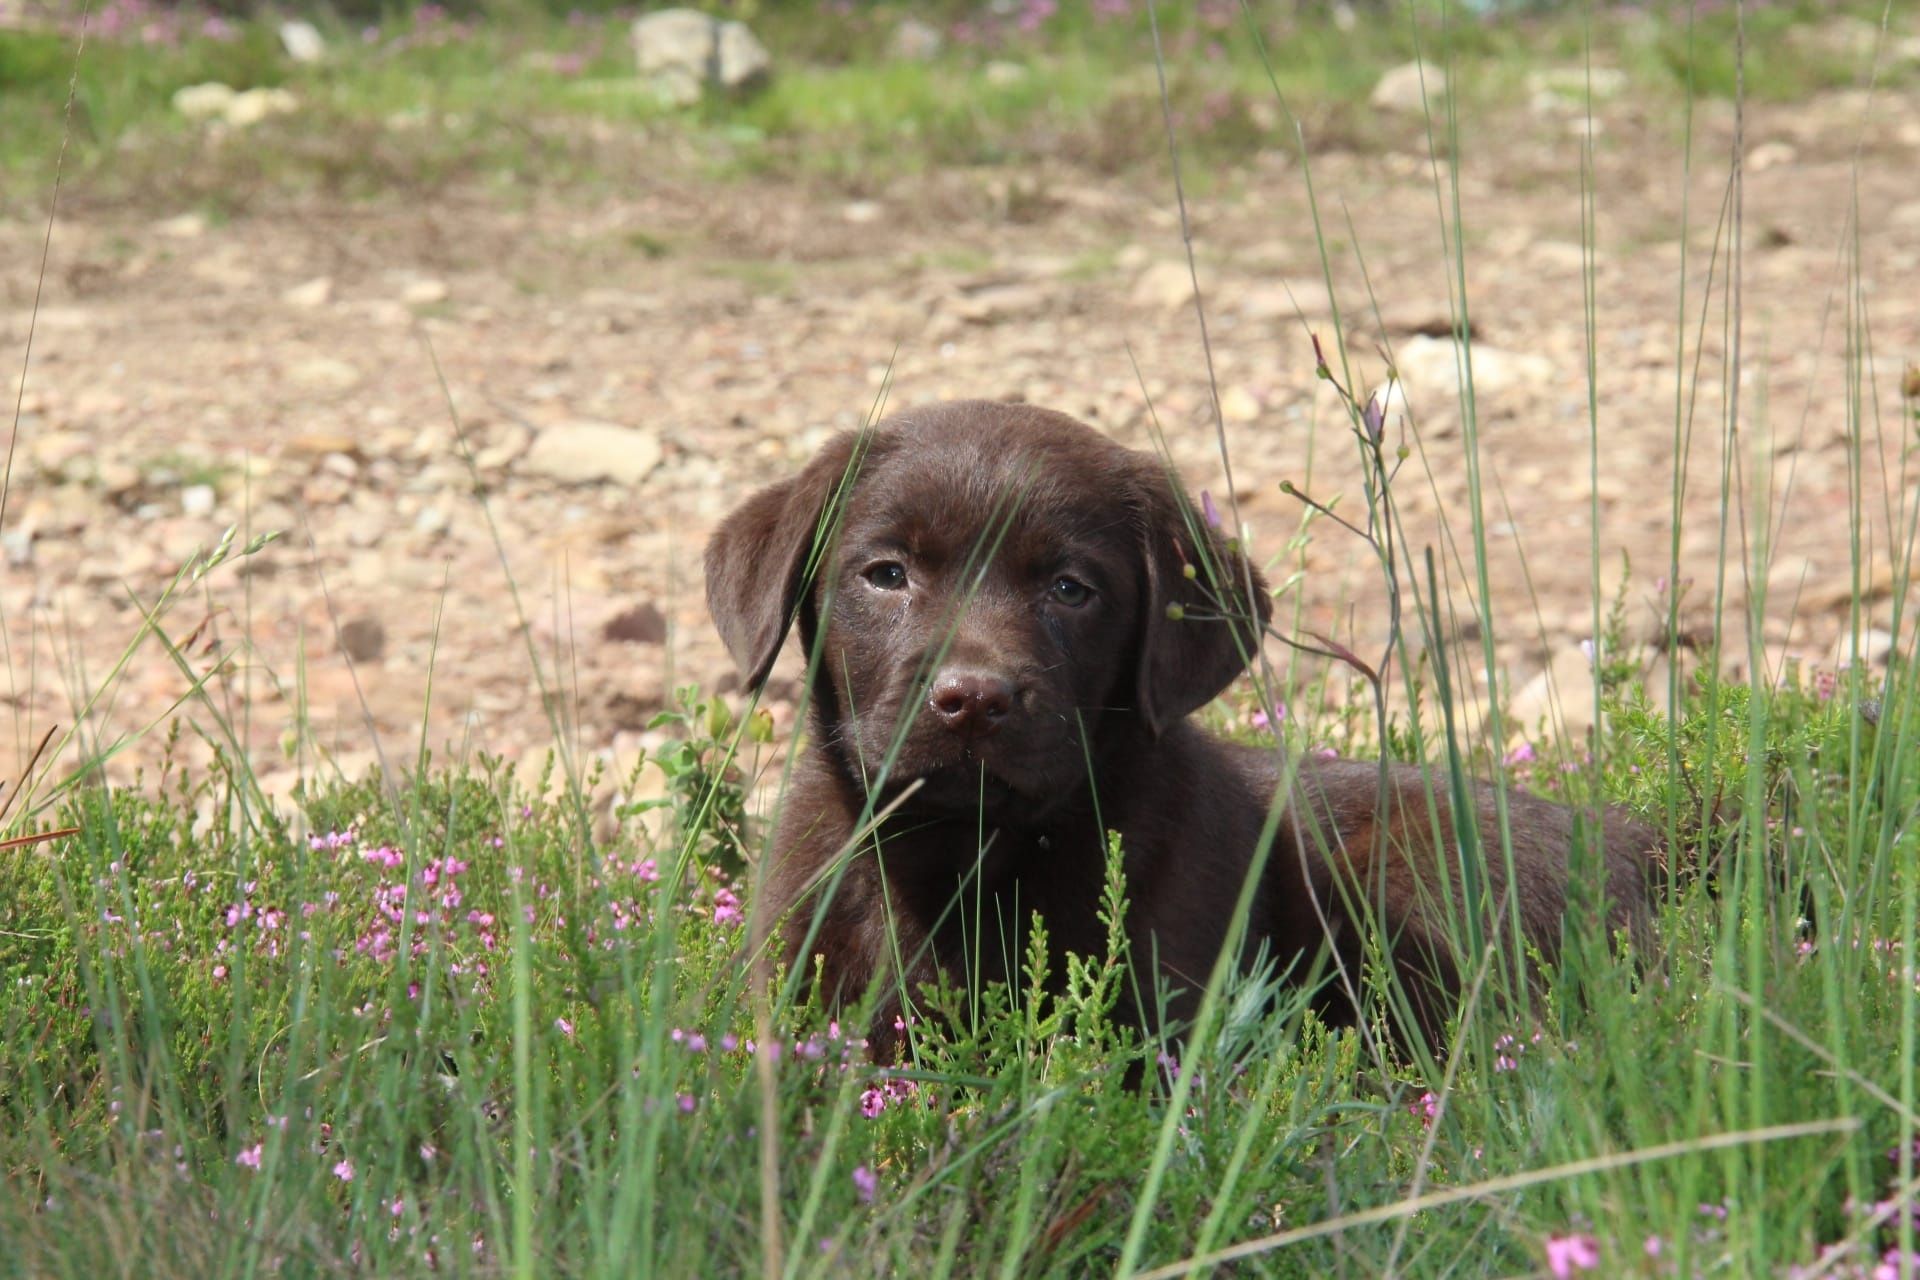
column 426, row 103
column 209, row 1021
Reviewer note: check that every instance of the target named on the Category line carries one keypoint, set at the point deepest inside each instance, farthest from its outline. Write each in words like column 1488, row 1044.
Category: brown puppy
column 1010, row 621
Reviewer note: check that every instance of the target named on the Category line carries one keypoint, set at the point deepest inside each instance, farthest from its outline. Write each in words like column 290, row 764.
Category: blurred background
column 491, row 310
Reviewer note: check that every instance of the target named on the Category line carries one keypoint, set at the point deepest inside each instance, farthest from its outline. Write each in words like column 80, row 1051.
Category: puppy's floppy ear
column 1186, row 661
column 760, row 562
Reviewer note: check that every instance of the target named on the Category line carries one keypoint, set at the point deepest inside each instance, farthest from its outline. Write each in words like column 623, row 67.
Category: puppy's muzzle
column 970, row 703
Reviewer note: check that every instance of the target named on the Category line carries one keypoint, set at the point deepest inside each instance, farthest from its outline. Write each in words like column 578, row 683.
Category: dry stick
column 26, row 775
column 1501, row 1185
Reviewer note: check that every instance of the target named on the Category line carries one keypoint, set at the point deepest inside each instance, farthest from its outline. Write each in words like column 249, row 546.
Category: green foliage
column 227, row 1015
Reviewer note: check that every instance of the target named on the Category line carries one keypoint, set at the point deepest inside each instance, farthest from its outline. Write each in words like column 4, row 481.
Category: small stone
column 863, row 212
column 1430, row 368
column 1409, row 87
column 185, row 226
column 639, row 624
column 203, row 101
column 1165, row 285
column 117, row 478
column 198, row 500
column 432, row 521
column 424, row 292
column 363, row 639
column 993, row 303
column 302, row 41
column 1237, row 404
column 254, row 105
column 18, row 546
column 1771, row 155
column 323, row 373
column 1871, row 649
column 317, row 292
column 1557, row 702
column 593, row 453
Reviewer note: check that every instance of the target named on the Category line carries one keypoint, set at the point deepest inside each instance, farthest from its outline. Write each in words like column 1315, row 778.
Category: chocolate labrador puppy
column 1010, row 619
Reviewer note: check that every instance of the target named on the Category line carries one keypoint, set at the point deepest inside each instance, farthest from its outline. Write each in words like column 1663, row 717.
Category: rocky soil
column 619, row 372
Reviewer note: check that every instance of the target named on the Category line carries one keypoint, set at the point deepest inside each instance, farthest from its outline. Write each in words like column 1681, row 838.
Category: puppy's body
column 1011, row 618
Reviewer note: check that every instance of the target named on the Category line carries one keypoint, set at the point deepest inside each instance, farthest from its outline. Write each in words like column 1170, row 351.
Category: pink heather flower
column 647, row 870
column 1208, row 511
column 726, row 907
column 249, row 1157
column 563, row 1026
column 865, row 1183
column 1260, row 719
column 695, row 1042
column 873, row 1102
column 687, row 1102
column 1568, row 1254
column 219, row 973
column 344, row 1171
column 1425, row 1107
column 1522, row 754
column 398, row 1207
column 1654, row 1246
column 729, row 1042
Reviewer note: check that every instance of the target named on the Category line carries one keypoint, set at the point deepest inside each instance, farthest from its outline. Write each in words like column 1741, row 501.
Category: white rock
column 203, row 101
column 18, row 546
column 1557, row 701
column 185, row 226
column 1237, row 404
column 1164, row 284
column 1869, row 649
column 197, row 500
column 317, row 292
column 254, row 105
column 683, row 52
column 1409, row 87
column 1771, row 155
column 1430, row 368
column 424, row 292
column 592, row 453
column 323, row 373
column 862, row 212
column 302, row 41
column 741, row 60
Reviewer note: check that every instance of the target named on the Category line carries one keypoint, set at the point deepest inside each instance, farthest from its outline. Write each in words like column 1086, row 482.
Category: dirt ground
column 278, row 371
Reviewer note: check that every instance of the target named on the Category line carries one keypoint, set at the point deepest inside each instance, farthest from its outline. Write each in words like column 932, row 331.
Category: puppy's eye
column 888, row 575
column 1070, row 591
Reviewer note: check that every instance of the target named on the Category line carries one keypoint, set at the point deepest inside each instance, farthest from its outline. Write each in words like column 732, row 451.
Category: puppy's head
column 985, row 588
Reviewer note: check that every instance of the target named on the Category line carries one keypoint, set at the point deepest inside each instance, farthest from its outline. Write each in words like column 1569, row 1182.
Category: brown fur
column 1033, row 719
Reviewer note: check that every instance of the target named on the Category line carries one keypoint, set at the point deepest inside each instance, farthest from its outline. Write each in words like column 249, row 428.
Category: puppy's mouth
column 967, row 779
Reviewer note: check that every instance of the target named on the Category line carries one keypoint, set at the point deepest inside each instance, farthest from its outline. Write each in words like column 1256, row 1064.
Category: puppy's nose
column 970, row 703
